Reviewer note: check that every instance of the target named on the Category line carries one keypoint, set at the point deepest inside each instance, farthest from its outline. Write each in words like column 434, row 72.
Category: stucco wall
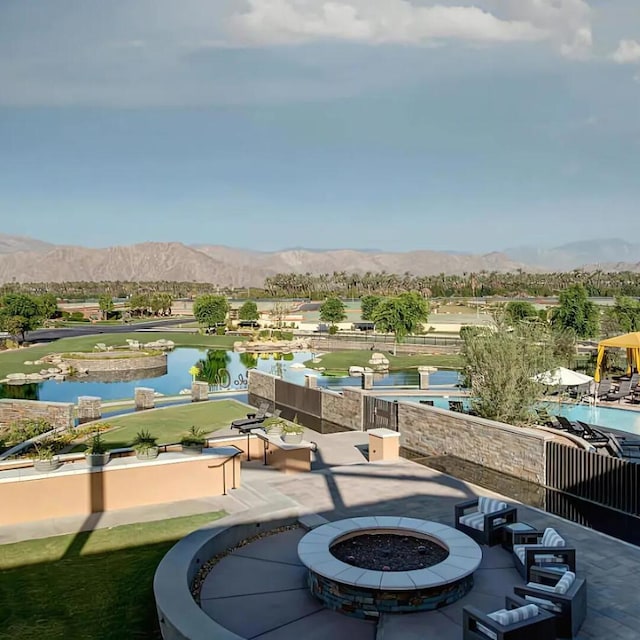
column 517, row 451
column 69, row 492
column 58, row 414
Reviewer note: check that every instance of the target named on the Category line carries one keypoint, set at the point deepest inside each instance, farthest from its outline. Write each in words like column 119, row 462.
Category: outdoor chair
column 624, row 390
column 456, row 405
column 429, row 403
column 569, row 426
column 604, row 388
column 483, row 518
column 593, row 435
column 549, row 551
column 565, row 597
column 519, row 620
column 252, row 419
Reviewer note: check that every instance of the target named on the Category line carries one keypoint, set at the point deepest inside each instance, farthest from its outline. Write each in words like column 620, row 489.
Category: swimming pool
column 622, row 419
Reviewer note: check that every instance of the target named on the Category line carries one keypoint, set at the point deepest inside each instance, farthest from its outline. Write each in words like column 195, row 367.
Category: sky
column 266, row 124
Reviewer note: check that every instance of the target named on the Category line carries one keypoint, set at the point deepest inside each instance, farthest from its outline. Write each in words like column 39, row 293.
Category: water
column 622, row 419
column 177, row 376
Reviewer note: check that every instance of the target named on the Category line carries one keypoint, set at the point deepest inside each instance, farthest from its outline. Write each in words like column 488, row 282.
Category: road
column 49, row 335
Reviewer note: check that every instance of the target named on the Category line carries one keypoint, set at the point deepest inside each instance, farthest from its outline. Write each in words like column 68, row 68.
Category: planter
column 148, row 454
column 46, row 466
column 292, row 438
column 192, row 449
column 97, row 459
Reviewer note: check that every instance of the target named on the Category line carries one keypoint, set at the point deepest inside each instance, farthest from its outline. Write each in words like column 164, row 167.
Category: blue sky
column 267, row 124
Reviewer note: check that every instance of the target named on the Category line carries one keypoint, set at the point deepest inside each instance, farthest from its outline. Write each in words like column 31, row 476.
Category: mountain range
column 29, row 260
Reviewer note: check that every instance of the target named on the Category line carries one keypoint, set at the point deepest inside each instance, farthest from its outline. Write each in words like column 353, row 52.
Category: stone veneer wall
column 262, row 384
column 516, row 451
column 345, row 409
column 132, row 363
column 58, row 414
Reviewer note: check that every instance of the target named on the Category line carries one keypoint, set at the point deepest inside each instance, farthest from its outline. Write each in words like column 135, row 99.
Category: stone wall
column 89, row 409
column 345, row 409
column 513, row 450
column 262, row 384
column 107, row 362
column 199, row 391
column 58, row 414
column 144, row 398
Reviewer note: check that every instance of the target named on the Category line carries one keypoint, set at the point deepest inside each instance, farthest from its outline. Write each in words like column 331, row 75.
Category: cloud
column 628, row 51
column 567, row 23
column 373, row 21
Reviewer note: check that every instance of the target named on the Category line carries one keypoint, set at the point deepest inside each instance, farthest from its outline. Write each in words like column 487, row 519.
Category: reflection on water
column 211, row 364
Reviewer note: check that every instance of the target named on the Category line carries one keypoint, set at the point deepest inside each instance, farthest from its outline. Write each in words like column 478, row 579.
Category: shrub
column 22, row 430
column 333, row 330
column 97, row 445
column 194, row 438
column 144, row 441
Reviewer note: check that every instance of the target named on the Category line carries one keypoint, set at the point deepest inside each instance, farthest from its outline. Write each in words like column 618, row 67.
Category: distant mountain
column 13, row 244
column 577, row 254
column 219, row 264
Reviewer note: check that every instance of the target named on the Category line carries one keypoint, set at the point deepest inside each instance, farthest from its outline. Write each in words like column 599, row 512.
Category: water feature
column 224, row 370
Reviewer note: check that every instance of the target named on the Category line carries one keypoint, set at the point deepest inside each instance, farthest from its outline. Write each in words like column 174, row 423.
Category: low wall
column 179, row 615
column 344, row 409
column 517, row 451
column 57, row 414
column 107, row 362
column 75, row 490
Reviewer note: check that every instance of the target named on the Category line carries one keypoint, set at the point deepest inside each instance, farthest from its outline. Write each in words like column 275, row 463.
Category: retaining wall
column 110, row 363
column 57, row 414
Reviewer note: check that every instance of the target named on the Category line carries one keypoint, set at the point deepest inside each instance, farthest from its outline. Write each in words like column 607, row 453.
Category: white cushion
column 519, row 550
column 506, row 618
column 545, row 604
column 563, row 585
column 551, row 538
column 490, row 505
column 541, row 587
column 474, row 520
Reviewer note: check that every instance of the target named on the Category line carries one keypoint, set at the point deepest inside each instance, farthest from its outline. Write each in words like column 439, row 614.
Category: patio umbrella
column 561, row 377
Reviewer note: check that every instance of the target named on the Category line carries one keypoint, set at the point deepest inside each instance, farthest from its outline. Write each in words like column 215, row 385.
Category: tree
column 401, row 315
column 278, row 313
column 332, row 311
column 517, row 311
column 622, row 317
column 368, row 305
column 576, row 312
column 105, row 303
column 19, row 313
column 248, row 311
column 210, row 310
column 48, row 305
column 500, row 364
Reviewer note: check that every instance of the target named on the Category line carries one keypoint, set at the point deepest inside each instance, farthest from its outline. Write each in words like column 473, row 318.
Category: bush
column 221, row 331
column 195, row 437
column 333, row 330
column 22, row 430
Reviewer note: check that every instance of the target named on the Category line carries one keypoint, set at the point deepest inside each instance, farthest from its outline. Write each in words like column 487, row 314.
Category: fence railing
column 379, row 413
column 608, row 481
column 303, row 399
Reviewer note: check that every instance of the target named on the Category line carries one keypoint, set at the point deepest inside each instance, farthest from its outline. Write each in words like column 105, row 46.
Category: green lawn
column 12, row 361
column 340, row 361
column 94, row 585
column 170, row 424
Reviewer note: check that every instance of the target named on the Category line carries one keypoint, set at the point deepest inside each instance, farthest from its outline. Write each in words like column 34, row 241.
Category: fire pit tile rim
column 370, row 579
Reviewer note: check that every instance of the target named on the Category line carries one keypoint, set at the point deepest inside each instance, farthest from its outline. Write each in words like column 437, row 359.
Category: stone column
column 424, row 372
column 199, row 391
column 384, row 444
column 311, row 381
column 367, row 380
column 145, row 398
column 89, row 408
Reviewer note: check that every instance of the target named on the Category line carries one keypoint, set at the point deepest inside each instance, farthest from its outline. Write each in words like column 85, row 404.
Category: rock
column 16, row 376
column 28, row 363
column 356, row 371
column 59, row 377
column 34, row 377
column 53, row 370
column 37, row 362
column 297, row 365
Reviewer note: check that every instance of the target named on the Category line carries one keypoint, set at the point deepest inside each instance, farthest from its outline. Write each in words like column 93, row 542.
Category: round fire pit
column 367, row 566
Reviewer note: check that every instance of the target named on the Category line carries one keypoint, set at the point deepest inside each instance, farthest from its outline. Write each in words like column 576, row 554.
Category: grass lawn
column 92, row 585
column 12, row 361
column 340, row 361
column 170, row 424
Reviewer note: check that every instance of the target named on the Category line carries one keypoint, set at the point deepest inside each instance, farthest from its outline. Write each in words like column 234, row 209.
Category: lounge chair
column 456, row 405
column 593, row 435
column 569, row 426
column 252, row 419
column 624, row 391
column 484, row 523
column 604, row 388
column 549, row 551
column 519, row 620
column 564, row 596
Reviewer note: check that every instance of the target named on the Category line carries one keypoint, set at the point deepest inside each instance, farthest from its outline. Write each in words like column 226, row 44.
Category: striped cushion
column 490, row 505
column 506, row 618
column 563, row 585
column 486, row 631
column 519, row 550
column 551, row 538
column 474, row 520
column 545, row 604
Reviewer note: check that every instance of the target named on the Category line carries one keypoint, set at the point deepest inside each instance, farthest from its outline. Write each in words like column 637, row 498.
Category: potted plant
column 96, row 454
column 145, row 445
column 273, row 426
column 45, row 458
column 292, row 432
column 193, row 442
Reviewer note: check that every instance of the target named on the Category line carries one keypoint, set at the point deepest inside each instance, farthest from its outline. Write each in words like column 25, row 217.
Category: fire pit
column 367, row 566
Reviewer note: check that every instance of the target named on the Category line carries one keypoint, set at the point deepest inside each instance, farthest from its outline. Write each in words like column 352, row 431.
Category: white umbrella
column 562, row 377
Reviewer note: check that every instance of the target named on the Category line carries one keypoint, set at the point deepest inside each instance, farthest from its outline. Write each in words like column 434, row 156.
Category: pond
column 224, row 370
